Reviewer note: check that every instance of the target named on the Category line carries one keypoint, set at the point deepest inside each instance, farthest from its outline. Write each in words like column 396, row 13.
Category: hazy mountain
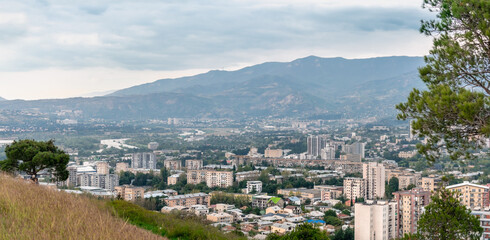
column 2, row 99
column 308, row 87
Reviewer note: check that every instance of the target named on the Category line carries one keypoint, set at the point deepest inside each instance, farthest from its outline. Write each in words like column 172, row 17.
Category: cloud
column 176, row 35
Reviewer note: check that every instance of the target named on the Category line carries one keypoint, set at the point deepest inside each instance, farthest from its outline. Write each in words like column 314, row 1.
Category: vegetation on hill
column 173, row 226
column 30, row 211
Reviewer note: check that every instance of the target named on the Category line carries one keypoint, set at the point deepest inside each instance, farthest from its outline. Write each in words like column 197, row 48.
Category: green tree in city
column 391, row 187
column 32, row 156
column 303, row 231
column 454, row 111
column 446, row 218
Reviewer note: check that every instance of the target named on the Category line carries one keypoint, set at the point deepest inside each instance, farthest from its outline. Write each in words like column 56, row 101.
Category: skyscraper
column 315, row 144
column 374, row 175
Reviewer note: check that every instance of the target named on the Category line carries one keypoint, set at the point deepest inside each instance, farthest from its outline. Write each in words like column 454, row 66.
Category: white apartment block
column 374, row 175
column 375, row 220
column 354, row 188
column 254, row 186
column 144, row 160
column 193, row 164
column 220, row 179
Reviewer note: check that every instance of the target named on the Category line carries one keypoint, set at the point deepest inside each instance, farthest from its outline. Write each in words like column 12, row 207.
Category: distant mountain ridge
column 304, row 88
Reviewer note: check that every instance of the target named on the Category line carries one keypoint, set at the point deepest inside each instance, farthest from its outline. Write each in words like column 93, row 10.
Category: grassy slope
column 28, row 211
column 169, row 225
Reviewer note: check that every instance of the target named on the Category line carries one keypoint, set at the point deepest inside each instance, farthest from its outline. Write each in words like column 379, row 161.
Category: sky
column 59, row 49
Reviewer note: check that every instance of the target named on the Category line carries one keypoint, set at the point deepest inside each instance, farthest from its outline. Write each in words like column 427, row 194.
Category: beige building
column 196, row 176
column 129, row 193
column 247, row 176
column 351, row 157
column 221, row 217
column 375, row 220
column 374, row 175
column 193, row 164
column 273, row 153
column 222, row 179
column 282, row 228
column 173, row 164
column 300, row 192
column 429, row 183
column 354, row 188
column 102, row 167
column 408, row 154
column 122, row 167
column 173, row 179
column 329, row 192
column 410, row 206
column 188, row 200
column 406, row 180
column 471, row 195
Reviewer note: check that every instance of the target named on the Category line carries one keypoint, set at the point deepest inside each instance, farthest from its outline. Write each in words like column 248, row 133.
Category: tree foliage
column 391, row 187
column 32, row 156
column 454, row 111
column 446, row 218
column 303, row 231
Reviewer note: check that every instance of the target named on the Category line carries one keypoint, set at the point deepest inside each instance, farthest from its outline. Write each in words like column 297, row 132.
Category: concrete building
column 374, row 175
column 260, row 201
column 354, row 188
column 193, row 164
column 222, row 179
column 72, row 180
column 144, row 160
column 471, row 195
column 247, row 176
column 351, row 157
column 273, row 153
column 188, row 200
column 329, row 192
column 196, row 176
column 484, row 216
column 122, row 167
column 355, row 148
column 173, row 164
column 328, row 152
column 410, row 206
column 153, row 146
column 102, row 167
column 129, row 193
column 173, row 179
column 300, row 192
column 375, row 220
column 254, row 186
column 406, row 180
column 429, row 183
column 221, row 217
column 315, row 144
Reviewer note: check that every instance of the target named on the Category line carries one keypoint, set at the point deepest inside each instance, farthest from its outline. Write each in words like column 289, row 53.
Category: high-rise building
column 484, row 217
column 193, row 164
column 315, row 144
column 471, row 195
column 354, row 188
column 196, row 176
column 222, row 179
column 328, row 152
column 144, row 161
column 121, row 167
column 153, row 146
column 374, row 175
column 355, row 148
column 72, row 177
column 102, row 167
column 375, row 220
column 173, row 164
column 410, row 205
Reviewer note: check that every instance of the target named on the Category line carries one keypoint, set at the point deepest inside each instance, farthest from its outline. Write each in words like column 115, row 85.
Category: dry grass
column 28, row 211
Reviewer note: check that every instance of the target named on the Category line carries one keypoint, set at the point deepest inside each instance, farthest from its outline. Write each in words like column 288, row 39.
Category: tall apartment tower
column 315, row 144
column 144, row 160
column 193, row 164
column 102, row 167
column 374, row 175
column 410, row 205
column 355, row 148
column 72, row 177
column 375, row 220
column 354, row 188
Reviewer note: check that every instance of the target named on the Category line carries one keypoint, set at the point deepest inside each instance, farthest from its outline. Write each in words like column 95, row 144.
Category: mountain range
column 310, row 87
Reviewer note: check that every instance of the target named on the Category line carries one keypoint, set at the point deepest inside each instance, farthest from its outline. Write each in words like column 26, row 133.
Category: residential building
column 300, row 192
column 471, row 195
column 375, row 220
column 102, row 167
column 260, row 201
column 273, row 153
column 351, row 157
column 282, row 228
column 72, row 176
column 355, row 148
column 410, row 206
column 429, row 183
column 153, row 146
column 221, row 217
column 122, row 167
column 315, row 144
column 188, row 200
column 193, row 164
column 222, row 179
column 173, row 164
column 374, row 175
column 406, row 180
column 407, row 154
column 247, row 176
column 173, row 179
column 254, row 186
column 129, row 193
column 144, row 160
column 329, row 192
column 196, row 176
column 354, row 188
column 328, row 152
column 484, row 217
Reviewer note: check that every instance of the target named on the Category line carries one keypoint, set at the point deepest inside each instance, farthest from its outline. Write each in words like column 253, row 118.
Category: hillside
column 305, row 88
column 28, row 211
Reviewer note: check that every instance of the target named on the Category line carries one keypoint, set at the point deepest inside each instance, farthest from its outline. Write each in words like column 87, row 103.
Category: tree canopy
column 454, row 111
column 303, row 231
column 32, row 156
column 446, row 218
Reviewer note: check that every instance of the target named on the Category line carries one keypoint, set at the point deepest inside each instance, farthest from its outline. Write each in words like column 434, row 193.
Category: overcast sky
column 55, row 49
